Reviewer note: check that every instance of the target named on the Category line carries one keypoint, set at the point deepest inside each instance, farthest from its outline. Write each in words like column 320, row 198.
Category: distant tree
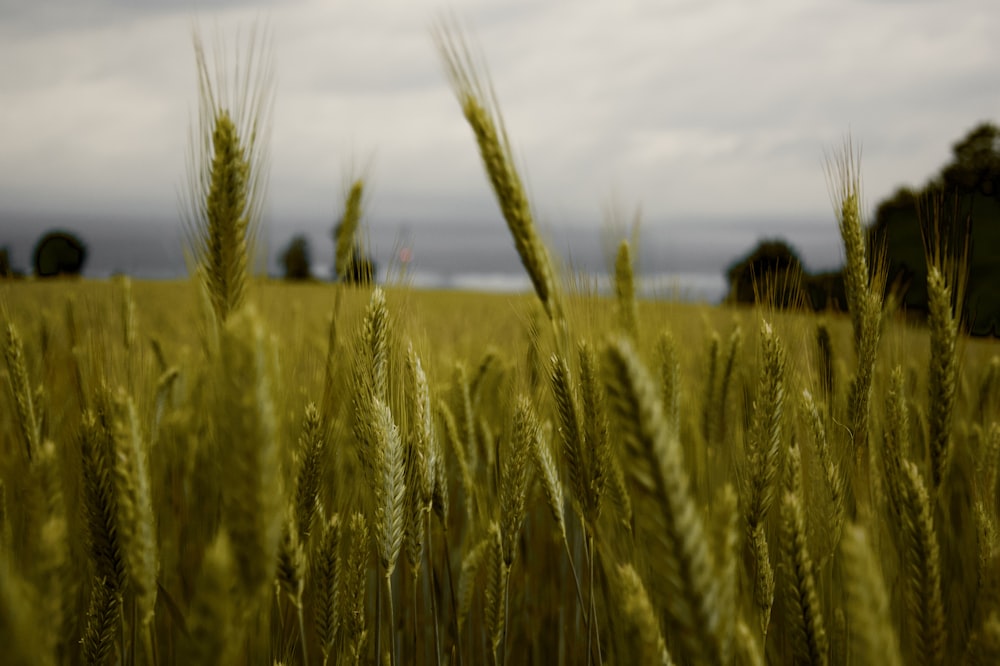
column 826, row 291
column 772, row 272
column 975, row 165
column 296, row 259
column 962, row 203
column 5, row 270
column 59, row 253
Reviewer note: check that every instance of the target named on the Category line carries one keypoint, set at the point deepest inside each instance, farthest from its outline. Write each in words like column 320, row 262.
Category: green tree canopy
column 296, row 259
column 772, row 271
column 962, row 202
column 59, row 253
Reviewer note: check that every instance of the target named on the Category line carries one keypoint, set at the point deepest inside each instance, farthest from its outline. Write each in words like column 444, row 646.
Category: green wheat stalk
column 481, row 110
column 688, row 587
column 227, row 170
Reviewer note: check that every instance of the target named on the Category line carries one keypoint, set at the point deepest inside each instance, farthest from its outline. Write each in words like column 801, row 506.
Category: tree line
column 958, row 209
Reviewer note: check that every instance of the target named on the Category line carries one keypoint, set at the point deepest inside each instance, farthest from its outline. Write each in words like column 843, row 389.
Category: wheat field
column 229, row 470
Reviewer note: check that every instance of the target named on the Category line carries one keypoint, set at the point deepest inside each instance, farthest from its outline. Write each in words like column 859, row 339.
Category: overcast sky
column 704, row 111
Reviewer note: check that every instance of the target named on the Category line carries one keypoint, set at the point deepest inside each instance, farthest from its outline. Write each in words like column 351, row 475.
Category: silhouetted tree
column 826, row 291
column 772, row 272
column 296, row 259
column 59, row 253
column 963, row 202
column 5, row 270
column 975, row 166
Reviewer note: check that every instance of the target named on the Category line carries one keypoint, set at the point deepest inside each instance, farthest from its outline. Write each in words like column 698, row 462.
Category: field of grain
column 545, row 507
column 232, row 471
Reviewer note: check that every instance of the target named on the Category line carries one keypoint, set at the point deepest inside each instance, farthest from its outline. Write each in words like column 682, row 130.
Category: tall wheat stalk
column 873, row 639
column 345, row 240
column 804, row 612
column 250, row 449
column 227, row 169
column 481, row 109
column 922, row 567
column 28, row 419
column 765, row 451
column 946, row 282
column 382, row 452
column 864, row 283
column 214, row 630
column 689, row 587
column 628, row 307
column 327, row 576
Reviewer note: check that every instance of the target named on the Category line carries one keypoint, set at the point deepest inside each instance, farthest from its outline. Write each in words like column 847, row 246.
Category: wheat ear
column 249, row 447
column 711, row 379
column 983, row 645
column 127, row 312
column 227, row 171
column 670, row 376
column 291, row 568
column 99, row 501
column 548, row 473
column 346, row 238
column 467, row 417
column 291, row 573
column 225, row 263
column 726, row 534
column 942, row 375
column 873, row 640
column 643, row 626
column 103, row 619
column 479, row 105
column 763, row 575
column 831, row 473
column 895, row 441
column 670, row 522
column 809, row 640
column 385, row 460
column 628, row 307
column 136, row 522
column 514, row 476
column 213, row 637
column 765, row 440
column 28, row 419
column 52, row 573
column 733, row 347
column 746, row 651
column 923, row 567
column 421, row 459
column 355, row 591
column 497, row 575
column 765, row 443
column 327, row 585
column 584, row 436
column 311, row 451
column 465, row 475
column 391, row 490
column 863, row 286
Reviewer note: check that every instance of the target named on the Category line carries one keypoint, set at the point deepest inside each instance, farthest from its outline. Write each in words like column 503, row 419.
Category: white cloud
column 717, row 108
